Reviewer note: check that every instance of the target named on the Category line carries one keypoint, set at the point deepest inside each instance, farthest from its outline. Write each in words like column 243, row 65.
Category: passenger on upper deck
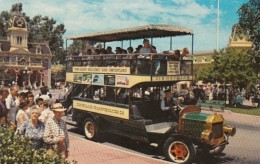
column 130, row 50
column 97, row 59
column 109, row 50
column 89, row 57
column 147, row 48
column 175, row 55
column 137, row 49
column 118, row 50
column 110, row 57
column 184, row 52
column 89, row 52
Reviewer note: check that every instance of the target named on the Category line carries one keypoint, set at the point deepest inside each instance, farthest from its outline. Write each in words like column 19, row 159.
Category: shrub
column 17, row 149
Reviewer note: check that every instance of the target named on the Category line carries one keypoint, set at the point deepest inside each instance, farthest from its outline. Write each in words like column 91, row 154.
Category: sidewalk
column 84, row 152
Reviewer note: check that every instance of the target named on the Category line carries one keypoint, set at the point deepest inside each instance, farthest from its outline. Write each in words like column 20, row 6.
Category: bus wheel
column 90, row 129
column 178, row 151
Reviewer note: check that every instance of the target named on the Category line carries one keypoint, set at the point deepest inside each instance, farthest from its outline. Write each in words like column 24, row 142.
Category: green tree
column 44, row 29
column 249, row 19
column 229, row 66
column 4, row 23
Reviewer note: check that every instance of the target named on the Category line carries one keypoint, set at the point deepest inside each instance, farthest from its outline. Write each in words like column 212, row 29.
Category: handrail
column 117, row 56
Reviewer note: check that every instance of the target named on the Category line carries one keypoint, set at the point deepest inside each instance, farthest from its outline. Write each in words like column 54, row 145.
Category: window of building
column 38, row 49
column 19, row 40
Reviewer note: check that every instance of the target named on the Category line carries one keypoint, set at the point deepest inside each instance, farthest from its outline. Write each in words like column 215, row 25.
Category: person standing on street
column 3, row 95
column 33, row 129
column 55, row 133
column 11, row 103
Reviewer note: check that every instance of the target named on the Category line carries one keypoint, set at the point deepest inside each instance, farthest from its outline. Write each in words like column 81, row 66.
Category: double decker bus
column 122, row 94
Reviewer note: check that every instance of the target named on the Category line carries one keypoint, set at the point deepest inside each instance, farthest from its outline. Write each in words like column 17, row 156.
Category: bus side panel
column 128, row 128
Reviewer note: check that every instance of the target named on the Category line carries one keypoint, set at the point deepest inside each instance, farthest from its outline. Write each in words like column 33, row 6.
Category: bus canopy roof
column 139, row 32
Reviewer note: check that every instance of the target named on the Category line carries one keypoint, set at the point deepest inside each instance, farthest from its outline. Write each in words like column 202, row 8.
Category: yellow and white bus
column 125, row 97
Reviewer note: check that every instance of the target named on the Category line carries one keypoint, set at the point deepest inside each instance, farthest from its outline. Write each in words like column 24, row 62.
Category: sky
column 88, row 16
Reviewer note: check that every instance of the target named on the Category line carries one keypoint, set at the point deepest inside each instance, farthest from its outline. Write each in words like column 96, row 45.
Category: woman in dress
column 33, row 129
column 21, row 116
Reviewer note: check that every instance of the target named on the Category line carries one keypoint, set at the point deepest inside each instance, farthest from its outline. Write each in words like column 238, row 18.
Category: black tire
column 90, row 129
column 218, row 150
column 178, row 151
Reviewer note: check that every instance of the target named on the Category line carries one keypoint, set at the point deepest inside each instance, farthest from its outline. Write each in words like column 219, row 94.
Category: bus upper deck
column 150, row 67
column 130, row 69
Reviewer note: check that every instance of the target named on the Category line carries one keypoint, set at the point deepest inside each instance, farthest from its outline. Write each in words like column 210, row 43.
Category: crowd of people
column 233, row 95
column 36, row 117
column 130, row 58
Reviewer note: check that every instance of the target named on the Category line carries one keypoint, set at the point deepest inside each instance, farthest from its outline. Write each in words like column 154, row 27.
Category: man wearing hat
column 167, row 104
column 55, row 133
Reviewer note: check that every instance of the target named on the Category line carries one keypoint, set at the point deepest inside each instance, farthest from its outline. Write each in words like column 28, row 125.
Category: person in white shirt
column 147, row 48
column 21, row 116
column 11, row 104
column 46, row 113
column 145, row 51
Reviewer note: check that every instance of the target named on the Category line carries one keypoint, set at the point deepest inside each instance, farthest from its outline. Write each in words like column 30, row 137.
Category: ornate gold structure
column 239, row 38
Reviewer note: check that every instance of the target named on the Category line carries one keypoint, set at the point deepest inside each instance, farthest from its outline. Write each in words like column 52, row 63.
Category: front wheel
column 178, row 151
column 90, row 129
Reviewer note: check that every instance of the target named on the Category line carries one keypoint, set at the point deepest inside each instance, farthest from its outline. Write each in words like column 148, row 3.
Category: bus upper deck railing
column 140, row 64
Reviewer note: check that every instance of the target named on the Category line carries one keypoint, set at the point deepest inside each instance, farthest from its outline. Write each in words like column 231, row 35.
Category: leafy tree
column 229, row 66
column 4, row 23
column 43, row 29
column 249, row 19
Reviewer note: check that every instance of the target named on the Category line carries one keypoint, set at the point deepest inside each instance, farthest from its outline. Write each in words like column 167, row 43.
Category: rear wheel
column 90, row 129
column 179, row 151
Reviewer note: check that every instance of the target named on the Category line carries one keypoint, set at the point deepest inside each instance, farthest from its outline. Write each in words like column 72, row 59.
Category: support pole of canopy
column 192, row 43
column 104, row 44
column 67, row 47
column 81, row 47
column 151, row 41
column 171, row 43
column 122, row 44
column 130, row 43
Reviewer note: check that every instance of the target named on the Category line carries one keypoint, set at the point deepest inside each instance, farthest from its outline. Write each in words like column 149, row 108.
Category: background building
column 25, row 63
